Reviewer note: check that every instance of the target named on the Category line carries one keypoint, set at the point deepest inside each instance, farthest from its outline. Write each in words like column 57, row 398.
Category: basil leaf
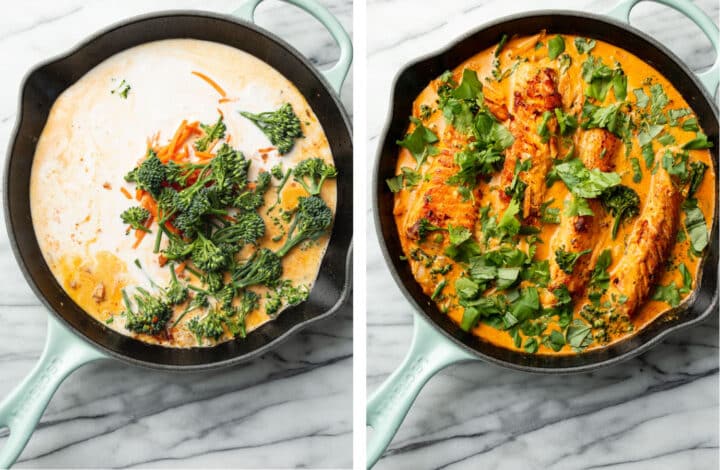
column 583, row 45
column 637, row 172
column 641, row 99
column 699, row 142
column 418, row 142
column 578, row 335
column 668, row 294
column 695, row 225
column 556, row 46
column 583, row 182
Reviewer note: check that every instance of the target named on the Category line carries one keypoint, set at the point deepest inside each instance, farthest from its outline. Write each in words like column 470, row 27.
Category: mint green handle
column 21, row 410
column 429, row 353
column 336, row 75
column 709, row 78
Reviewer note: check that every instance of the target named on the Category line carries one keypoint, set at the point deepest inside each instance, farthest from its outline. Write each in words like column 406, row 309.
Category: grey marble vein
column 657, row 411
column 290, row 408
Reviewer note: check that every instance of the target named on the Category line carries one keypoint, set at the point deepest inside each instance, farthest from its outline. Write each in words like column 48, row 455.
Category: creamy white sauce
column 94, row 137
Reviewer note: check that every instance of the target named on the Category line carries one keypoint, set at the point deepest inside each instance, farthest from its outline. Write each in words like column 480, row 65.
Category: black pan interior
column 413, row 79
column 42, row 87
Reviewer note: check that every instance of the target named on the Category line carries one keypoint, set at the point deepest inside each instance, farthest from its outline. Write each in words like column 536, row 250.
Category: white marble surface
column 291, row 408
column 659, row 411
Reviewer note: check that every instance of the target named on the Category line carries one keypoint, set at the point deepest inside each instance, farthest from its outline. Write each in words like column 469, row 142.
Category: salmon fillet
column 534, row 91
column 439, row 202
column 647, row 246
column 597, row 149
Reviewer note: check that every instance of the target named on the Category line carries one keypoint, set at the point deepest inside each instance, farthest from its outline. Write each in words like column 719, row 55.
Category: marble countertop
column 291, row 408
column 657, row 411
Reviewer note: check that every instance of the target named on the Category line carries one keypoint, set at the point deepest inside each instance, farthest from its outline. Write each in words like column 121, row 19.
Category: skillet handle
column 709, row 78
column 387, row 407
column 335, row 75
column 21, row 410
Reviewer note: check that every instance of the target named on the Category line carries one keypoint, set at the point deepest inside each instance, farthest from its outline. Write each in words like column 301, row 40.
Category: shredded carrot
column 126, row 193
column 228, row 138
column 204, row 155
column 140, row 234
column 172, row 228
column 229, row 218
column 212, row 145
column 149, row 203
column 139, row 194
column 211, row 82
column 220, row 113
column 180, row 268
column 225, row 100
column 162, row 261
column 266, row 150
column 174, row 141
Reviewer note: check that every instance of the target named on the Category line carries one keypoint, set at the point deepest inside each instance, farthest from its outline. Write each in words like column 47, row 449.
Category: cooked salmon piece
column 596, row 149
column 648, row 245
column 533, row 91
column 438, row 202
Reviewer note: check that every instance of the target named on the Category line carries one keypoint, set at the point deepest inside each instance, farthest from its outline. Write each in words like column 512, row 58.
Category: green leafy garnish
column 556, row 46
column 584, row 45
column 566, row 259
column 419, row 141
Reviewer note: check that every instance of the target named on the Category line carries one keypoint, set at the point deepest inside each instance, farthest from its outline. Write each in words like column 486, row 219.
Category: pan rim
column 419, row 310
column 346, row 287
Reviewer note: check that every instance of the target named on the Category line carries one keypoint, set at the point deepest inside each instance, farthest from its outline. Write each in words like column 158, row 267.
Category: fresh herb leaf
column 566, row 259
column 555, row 340
column 419, row 141
column 531, row 345
column 669, row 294
column 556, row 46
column 637, row 171
column 583, row 182
column 695, row 225
column 577, row 206
column 578, row 335
column 584, row 45
column 699, row 142
column 542, row 128
column 648, row 155
column 697, row 173
column 666, row 139
column 690, row 125
column 549, row 215
column 600, row 278
column 567, row 122
column 641, row 99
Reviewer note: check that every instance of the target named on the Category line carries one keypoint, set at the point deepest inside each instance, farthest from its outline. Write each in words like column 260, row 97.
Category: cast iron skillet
column 438, row 341
column 75, row 338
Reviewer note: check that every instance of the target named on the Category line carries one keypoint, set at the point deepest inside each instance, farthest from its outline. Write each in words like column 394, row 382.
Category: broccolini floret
column 264, row 267
column 312, row 219
column 176, row 293
column 207, row 255
column 248, row 229
column 209, row 326
column 152, row 315
column 212, row 132
column 312, row 173
column 622, row 202
column 150, row 175
column 282, row 127
column 136, row 218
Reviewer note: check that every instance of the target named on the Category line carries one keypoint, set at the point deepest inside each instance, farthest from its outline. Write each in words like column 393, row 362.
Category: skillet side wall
column 415, row 77
column 43, row 85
